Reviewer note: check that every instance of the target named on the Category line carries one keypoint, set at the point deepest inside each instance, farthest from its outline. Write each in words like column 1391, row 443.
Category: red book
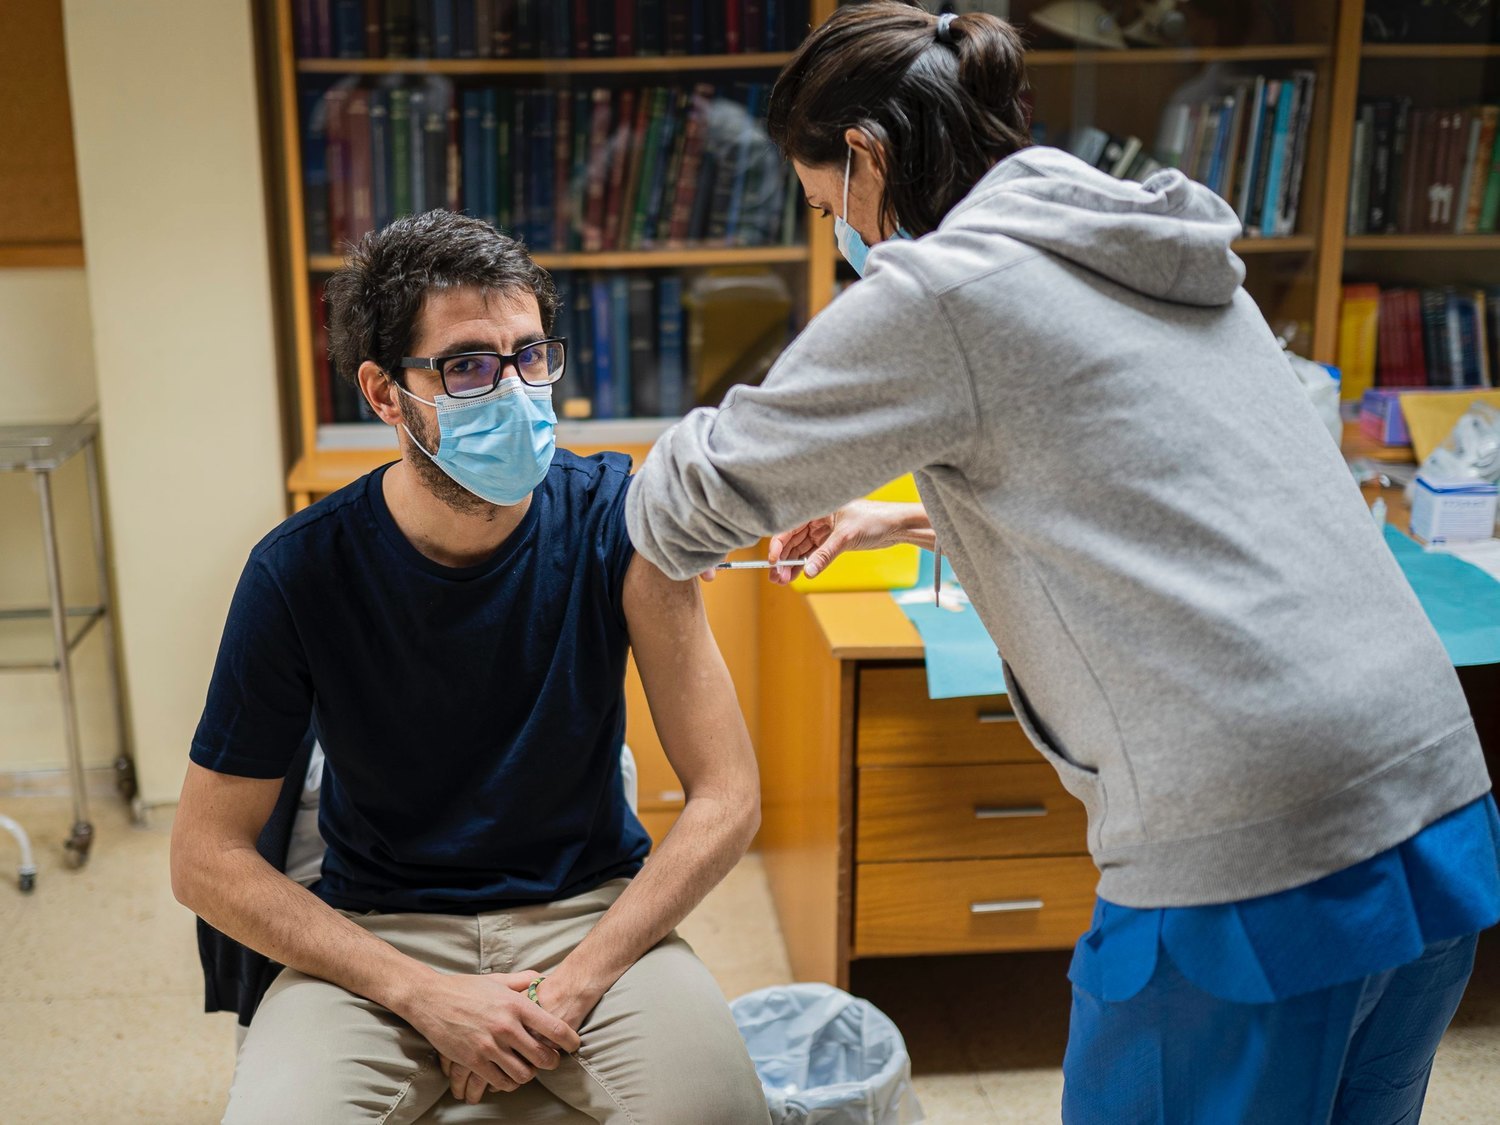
column 582, row 40
column 734, row 27
column 374, row 29
column 598, row 172
column 624, row 28
column 361, row 197
column 620, row 150
column 637, row 143
column 755, row 24
column 1409, row 211
column 1384, row 347
column 1437, row 168
column 322, row 369
column 563, row 166
column 1411, row 326
column 337, row 100
column 692, row 165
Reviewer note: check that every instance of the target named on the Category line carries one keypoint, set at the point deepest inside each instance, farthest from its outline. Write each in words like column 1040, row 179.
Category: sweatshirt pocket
column 1082, row 782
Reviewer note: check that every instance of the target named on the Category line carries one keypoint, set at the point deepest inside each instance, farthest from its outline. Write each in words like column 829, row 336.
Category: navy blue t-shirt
column 472, row 717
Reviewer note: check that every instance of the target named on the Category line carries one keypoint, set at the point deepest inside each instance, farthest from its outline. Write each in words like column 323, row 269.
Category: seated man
column 455, row 626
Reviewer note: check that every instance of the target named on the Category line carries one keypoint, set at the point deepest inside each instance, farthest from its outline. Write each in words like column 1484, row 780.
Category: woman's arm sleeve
column 874, row 387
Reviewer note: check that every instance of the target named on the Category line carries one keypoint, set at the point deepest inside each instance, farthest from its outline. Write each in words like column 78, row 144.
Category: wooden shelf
column 1156, row 56
column 40, row 255
column 1385, row 242
column 1430, row 51
column 701, row 256
column 655, row 64
column 1292, row 244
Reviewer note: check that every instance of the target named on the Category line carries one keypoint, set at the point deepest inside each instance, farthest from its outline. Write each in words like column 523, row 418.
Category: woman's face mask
column 498, row 446
column 851, row 244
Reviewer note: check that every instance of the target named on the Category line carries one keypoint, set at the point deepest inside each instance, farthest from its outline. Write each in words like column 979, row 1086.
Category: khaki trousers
column 660, row 1049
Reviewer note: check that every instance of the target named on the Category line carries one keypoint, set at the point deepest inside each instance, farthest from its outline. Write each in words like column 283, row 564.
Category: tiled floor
column 101, row 1021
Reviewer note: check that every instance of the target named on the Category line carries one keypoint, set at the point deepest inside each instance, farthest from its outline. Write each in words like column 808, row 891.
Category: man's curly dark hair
column 374, row 301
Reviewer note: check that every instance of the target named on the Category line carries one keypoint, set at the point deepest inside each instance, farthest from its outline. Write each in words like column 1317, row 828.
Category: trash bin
column 827, row 1058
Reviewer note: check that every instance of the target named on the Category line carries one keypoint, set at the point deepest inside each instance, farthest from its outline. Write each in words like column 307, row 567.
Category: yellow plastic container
column 892, row 568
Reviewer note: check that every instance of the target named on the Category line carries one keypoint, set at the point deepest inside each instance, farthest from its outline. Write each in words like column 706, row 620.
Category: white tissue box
column 1452, row 511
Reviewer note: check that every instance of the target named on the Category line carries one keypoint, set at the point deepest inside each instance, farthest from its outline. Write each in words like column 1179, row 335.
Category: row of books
column 1424, row 171
column 1404, row 336
column 502, row 29
column 1246, row 141
column 627, row 346
column 564, row 170
column 627, row 350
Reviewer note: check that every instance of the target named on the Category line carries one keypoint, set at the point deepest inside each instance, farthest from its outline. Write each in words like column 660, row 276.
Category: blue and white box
column 1452, row 511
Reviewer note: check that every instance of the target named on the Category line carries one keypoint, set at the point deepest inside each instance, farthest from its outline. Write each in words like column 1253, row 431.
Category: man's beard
column 443, row 487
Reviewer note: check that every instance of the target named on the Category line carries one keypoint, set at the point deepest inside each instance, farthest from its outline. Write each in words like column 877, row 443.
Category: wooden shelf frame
column 694, row 257
column 1180, row 56
column 1428, row 242
column 1430, row 51
column 674, row 65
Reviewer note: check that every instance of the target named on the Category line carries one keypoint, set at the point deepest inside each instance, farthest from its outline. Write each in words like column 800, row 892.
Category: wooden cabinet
column 895, row 824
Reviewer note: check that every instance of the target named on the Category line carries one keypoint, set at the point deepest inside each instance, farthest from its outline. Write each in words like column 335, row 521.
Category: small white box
column 1452, row 511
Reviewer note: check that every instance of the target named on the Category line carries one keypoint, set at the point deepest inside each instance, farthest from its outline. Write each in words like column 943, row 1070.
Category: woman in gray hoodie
column 1203, row 630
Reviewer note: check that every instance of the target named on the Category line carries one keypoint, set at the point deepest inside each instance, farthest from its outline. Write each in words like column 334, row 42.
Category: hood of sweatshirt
column 1168, row 237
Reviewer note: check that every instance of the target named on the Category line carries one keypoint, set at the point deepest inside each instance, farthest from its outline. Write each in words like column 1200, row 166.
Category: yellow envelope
column 1430, row 418
column 892, row 568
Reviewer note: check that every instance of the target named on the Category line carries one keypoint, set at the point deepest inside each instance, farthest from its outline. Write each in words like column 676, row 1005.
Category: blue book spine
column 541, row 162
column 465, row 29
column 1221, row 146
column 669, row 364
column 315, row 171
column 773, row 26
column 742, row 165
column 619, row 340
column 489, row 181
column 1268, row 214
column 442, row 29
column 349, row 29
column 471, row 159
column 698, row 27
column 418, row 144
column 604, row 381
column 381, row 159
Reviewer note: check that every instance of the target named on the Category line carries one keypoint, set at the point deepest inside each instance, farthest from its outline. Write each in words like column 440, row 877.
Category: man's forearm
column 911, row 525
column 243, row 896
column 709, row 838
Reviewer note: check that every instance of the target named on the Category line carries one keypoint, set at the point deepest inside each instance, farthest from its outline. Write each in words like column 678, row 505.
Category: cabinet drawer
column 900, row 726
column 966, row 812
column 971, row 906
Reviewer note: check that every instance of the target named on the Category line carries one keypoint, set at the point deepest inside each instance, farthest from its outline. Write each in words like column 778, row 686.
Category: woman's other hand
column 860, row 525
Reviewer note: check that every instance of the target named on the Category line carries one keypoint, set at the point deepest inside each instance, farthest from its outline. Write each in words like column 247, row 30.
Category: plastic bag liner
column 827, row 1058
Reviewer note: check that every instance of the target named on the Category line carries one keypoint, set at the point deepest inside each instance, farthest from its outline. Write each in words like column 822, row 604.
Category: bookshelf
column 1420, row 249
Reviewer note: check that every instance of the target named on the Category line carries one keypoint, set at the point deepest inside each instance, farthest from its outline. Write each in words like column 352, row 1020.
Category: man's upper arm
column 688, row 685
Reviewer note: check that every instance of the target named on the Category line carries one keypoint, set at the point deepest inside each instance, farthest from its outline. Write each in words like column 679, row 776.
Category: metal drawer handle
column 1000, row 812
column 1006, row 906
column 998, row 717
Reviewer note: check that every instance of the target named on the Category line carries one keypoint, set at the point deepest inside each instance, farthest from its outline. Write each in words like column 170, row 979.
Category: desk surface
column 42, row 448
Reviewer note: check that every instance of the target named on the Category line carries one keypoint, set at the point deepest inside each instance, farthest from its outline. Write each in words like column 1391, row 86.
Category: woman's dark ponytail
column 944, row 99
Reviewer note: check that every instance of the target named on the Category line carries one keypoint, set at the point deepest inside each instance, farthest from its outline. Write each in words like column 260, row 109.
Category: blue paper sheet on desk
column 1462, row 601
column 961, row 657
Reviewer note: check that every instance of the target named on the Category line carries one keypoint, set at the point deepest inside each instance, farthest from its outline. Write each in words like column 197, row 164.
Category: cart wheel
column 27, row 881
column 78, row 844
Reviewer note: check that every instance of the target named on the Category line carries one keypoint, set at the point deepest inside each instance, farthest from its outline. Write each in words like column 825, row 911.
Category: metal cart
column 41, row 450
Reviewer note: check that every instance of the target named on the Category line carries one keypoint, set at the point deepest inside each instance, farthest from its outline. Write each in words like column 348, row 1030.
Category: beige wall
column 49, row 376
column 166, row 129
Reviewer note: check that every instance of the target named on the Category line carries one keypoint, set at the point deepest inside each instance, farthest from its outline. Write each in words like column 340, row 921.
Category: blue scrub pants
column 1358, row 1053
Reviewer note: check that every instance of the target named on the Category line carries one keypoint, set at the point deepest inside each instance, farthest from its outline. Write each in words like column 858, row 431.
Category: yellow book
column 1359, row 323
column 894, row 568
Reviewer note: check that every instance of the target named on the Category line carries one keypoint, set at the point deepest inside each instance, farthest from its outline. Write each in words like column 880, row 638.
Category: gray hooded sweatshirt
column 1203, row 629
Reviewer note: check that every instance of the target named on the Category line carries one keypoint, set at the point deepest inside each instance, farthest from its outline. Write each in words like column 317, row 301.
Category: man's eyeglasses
column 470, row 374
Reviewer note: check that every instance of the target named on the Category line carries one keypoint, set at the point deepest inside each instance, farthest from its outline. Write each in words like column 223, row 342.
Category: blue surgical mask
column 498, row 446
column 851, row 245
